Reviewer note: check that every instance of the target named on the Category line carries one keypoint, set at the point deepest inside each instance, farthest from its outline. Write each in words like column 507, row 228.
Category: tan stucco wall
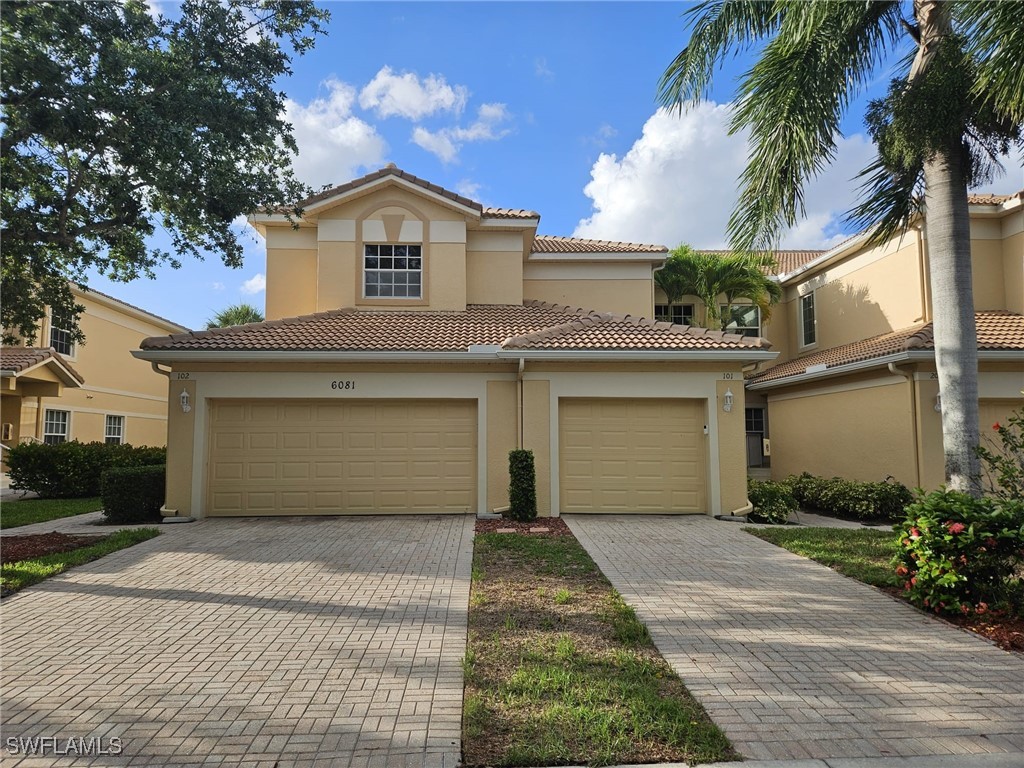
column 1013, row 271
column 501, row 438
column 494, row 278
column 291, row 283
column 987, row 276
column 537, row 438
column 626, row 297
column 732, row 451
column 862, row 434
column 180, row 441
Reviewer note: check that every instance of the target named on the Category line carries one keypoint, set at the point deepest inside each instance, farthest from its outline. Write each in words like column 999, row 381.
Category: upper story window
column 392, row 271
column 60, row 338
column 56, row 426
column 744, row 319
column 113, row 430
column 808, row 331
column 680, row 314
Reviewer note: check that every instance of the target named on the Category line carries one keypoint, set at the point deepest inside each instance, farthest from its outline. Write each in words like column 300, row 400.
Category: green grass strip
column 28, row 511
column 861, row 554
column 24, row 573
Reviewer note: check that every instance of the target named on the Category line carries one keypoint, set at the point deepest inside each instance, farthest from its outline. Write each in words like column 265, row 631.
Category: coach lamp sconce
column 938, row 403
column 727, row 401
column 185, row 406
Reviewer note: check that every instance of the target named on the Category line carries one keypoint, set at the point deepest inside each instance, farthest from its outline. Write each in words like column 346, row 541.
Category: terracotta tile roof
column 389, row 170
column 997, row 329
column 554, row 244
column 533, row 325
column 18, row 359
column 988, row 199
column 786, row 260
column 510, row 213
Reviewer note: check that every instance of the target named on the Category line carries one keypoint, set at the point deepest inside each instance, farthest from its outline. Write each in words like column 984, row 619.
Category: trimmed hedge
column 838, row 497
column 133, row 494
column 73, row 469
column 772, row 502
column 522, row 490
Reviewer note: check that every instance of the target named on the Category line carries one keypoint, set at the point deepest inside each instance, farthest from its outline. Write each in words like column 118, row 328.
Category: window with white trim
column 744, row 319
column 808, row 331
column 60, row 337
column 56, row 426
column 680, row 314
column 392, row 271
column 113, row 430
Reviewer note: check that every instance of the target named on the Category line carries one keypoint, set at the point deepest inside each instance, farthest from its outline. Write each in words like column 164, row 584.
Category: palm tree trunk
column 949, row 249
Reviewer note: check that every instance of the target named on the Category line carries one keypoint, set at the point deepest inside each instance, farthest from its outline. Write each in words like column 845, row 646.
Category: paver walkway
column 326, row 641
column 793, row 660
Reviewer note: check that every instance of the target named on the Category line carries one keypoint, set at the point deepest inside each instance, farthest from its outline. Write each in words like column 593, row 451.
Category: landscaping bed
column 559, row 671
column 15, row 548
column 867, row 556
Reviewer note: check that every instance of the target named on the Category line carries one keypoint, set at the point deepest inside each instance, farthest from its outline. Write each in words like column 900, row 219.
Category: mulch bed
column 542, row 526
column 28, row 547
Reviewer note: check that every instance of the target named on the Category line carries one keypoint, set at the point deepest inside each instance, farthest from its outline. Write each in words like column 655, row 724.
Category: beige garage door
column 279, row 457
column 620, row 455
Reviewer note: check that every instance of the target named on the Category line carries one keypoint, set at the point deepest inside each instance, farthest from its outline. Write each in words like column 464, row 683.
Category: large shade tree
column 119, row 123
column 719, row 280
column 956, row 108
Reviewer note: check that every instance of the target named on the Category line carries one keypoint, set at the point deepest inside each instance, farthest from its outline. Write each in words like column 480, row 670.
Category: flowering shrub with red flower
column 958, row 554
column 1002, row 457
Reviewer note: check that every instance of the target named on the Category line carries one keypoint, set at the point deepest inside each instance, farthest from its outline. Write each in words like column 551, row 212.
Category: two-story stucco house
column 414, row 337
column 53, row 389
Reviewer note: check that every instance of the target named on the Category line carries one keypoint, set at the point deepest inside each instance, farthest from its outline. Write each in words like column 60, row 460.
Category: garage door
column 620, row 455
column 273, row 457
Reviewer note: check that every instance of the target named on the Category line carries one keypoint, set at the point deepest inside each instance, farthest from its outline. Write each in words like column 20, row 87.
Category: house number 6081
column 343, row 384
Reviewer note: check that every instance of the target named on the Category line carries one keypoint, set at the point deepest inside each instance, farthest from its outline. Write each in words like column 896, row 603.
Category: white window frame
column 802, row 328
column 107, row 434
column 47, row 422
column 741, row 328
column 392, row 272
column 64, row 338
column 669, row 312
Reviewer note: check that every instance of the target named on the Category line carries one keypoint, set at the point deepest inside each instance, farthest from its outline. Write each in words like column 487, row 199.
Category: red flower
column 902, row 571
column 996, row 426
column 913, row 580
column 982, row 608
column 915, row 534
column 957, row 527
column 964, row 609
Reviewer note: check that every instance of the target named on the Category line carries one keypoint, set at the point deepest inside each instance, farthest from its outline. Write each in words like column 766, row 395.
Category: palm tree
column 710, row 275
column 941, row 129
column 236, row 314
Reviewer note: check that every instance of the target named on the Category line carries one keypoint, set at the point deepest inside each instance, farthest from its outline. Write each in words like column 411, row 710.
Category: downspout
column 519, row 419
column 922, row 268
column 168, row 515
column 39, row 418
column 909, row 376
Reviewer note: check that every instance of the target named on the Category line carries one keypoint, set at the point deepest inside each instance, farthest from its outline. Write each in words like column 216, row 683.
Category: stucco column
column 537, row 438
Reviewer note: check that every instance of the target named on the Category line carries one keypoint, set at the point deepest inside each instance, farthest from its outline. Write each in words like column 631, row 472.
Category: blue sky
column 547, row 106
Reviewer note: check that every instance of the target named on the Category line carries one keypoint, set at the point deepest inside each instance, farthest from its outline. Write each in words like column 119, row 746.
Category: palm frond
column 890, row 199
column 994, row 36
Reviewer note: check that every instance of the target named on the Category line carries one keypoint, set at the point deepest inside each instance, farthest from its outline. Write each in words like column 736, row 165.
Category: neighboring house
column 854, row 392
column 415, row 337
column 53, row 390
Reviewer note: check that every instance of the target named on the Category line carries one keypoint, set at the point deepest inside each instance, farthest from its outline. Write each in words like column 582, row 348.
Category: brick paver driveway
column 253, row 642
column 793, row 660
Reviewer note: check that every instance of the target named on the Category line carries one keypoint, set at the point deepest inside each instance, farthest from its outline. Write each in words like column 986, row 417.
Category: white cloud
column 447, row 142
column 1012, row 180
column 406, row 95
column 468, row 188
column 678, row 183
column 255, row 284
column 217, row 286
column 541, row 70
column 333, row 143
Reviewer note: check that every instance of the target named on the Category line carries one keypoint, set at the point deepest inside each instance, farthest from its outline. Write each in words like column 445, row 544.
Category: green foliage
column 773, row 502
column 133, row 494
column 958, row 554
column 72, row 469
column 28, row 511
column 849, row 498
column 1003, row 463
column 709, row 275
column 860, row 553
column 117, row 124
column 522, row 491
column 236, row 314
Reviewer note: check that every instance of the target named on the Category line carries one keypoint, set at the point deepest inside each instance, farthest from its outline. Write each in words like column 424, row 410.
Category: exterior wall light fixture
column 938, row 403
column 186, row 405
column 727, row 401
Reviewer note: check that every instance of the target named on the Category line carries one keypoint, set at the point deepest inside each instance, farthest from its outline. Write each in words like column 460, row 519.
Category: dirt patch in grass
column 560, row 671
column 15, row 548
column 543, row 526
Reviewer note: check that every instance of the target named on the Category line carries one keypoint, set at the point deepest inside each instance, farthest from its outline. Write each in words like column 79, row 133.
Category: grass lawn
column 21, row 574
column 861, row 554
column 559, row 670
column 17, row 513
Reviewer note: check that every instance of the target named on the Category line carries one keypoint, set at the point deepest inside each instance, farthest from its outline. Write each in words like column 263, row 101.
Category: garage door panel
column 631, row 455
column 331, row 458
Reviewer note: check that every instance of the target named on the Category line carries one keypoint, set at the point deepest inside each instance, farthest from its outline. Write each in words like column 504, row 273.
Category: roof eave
column 584, row 256
column 242, row 356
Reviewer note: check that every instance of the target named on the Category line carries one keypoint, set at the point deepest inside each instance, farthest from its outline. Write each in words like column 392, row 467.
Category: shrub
column 133, row 494
column 848, row 498
column 522, row 491
column 1004, row 461
column 958, row 554
column 772, row 502
column 73, row 469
